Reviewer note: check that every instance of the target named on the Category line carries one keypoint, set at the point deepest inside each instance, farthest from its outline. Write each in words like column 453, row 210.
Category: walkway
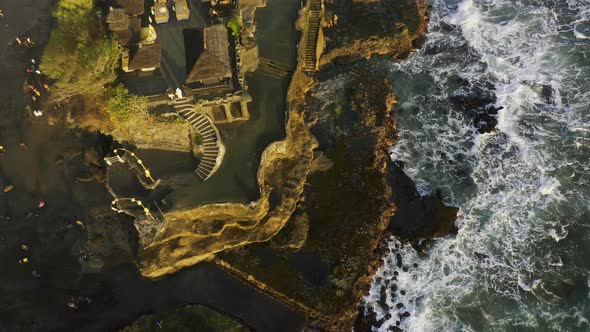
column 143, row 173
column 274, row 69
column 311, row 39
column 128, row 205
column 211, row 149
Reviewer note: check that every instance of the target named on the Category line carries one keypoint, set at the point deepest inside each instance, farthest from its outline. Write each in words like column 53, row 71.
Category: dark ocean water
column 521, row 259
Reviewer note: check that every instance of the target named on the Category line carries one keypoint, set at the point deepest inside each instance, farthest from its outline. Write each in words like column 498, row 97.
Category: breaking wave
column 520, row 259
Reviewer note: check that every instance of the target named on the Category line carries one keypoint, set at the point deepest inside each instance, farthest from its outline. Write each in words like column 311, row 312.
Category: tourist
column 84, row 254
column 38, row 113
column 2, row 150
column 24, row 247
column 80, row 223
column 75, row 302
column 36, row 274
column 24, row 260
column 18, row 41
column 41, row 202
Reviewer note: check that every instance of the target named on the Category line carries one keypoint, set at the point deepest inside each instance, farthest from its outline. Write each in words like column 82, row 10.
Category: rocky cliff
column 359, row 29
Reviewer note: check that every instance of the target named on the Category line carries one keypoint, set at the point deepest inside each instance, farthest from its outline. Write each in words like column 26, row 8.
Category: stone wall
column 173, row 136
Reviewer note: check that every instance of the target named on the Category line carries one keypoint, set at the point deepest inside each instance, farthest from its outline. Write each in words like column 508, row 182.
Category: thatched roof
column 132, row 7
column 213, row 62
column 130, row 35
column 146, row 56
column 207, row 67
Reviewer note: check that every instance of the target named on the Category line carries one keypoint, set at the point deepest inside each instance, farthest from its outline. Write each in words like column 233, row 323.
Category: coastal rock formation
column 357, row 29
column 348, row 206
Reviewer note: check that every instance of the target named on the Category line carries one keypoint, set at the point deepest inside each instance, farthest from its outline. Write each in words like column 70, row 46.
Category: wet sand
column 119, row 294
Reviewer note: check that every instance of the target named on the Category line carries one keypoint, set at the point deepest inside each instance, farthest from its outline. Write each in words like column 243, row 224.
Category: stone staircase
column 313, row 28
column 205, row 127
column 274, row 69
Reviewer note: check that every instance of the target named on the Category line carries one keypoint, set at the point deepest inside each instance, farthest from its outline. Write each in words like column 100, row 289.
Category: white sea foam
column 520, row 189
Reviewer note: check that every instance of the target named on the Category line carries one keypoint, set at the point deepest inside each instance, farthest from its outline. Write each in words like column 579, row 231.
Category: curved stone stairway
column 211, row 149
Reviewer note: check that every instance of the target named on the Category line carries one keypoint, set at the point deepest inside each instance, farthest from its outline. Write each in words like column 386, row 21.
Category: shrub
column 234, row 25
column 124, row 107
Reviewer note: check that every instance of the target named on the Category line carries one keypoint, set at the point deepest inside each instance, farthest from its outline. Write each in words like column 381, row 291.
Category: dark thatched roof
column 130, row 35
column 213, row 62
column 132, row 7
column 146, row 56
column 206, row 68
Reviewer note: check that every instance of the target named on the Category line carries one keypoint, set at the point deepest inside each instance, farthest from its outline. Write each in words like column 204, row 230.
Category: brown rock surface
column 348, row 206
column 357, row 29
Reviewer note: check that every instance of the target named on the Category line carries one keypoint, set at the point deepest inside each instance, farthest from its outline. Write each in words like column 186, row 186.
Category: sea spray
column 520, row 259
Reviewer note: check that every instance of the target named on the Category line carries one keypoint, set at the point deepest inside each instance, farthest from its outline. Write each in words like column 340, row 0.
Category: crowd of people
column 36, row 87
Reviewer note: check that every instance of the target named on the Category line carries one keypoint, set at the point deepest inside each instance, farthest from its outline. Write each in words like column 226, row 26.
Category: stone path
column 274, row 69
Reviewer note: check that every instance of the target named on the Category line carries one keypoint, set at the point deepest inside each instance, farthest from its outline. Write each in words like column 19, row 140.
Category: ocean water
column 521, row 258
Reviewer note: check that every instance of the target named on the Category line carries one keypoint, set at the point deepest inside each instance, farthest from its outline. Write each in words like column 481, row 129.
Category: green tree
column 79, row 56
column 234, row 25
column 124, row 107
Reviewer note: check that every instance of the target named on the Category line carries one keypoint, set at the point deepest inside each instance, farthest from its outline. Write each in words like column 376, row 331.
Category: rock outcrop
column 359, row 29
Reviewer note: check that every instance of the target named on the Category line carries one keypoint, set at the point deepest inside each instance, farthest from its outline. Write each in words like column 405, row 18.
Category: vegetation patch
column 124, row 107
column 79, row 57
column 234, row 26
